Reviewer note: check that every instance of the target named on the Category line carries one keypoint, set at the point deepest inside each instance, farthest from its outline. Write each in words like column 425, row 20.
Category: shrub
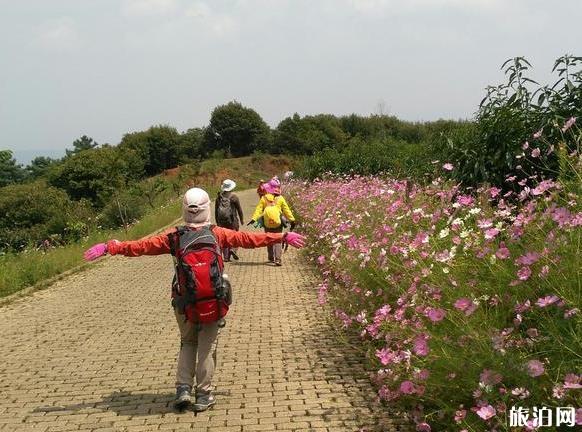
column 34, row 212
column 396, row 158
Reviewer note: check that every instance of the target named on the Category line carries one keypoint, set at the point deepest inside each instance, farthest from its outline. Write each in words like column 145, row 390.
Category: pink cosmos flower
column 528, row 259
column 465, row 305
column 420, row 345
column 448, row 166
column 486, row 412
column 423, row 427
column 489, row 377
column 535, row 368
column 465, row 200
column 407, row 387
column 493, row 192
column 572, row 380
column 460, row 415
column 538, row 134
column 484, row 223
column 547, row 301
column 321, row 259
column 524, row 273
column 535, row 152
column 435, row 314
column 422, row 375
column 525, row 146
column 569, row 124
column 385, row 356
column 502, row 252
column 542, row 187
column 523, row 307
column 491, row 233
column 520, row 392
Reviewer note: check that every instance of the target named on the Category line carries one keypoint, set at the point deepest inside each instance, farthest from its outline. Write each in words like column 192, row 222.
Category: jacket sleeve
column 238, row 208
column 245, row 239
column 156, row 245
column 286, row 210
column 259, row 209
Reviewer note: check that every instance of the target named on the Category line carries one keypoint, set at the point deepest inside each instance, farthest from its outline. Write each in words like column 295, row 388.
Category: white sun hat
column 227, row 185
column 196, row 207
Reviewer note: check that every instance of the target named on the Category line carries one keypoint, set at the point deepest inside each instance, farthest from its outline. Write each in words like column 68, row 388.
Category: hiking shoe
column 233, row 255
column 278, row 263
column 183, row 397
column 204, row 401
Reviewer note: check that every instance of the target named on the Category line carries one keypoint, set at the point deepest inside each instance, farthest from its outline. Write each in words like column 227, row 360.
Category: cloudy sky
column 107, row 67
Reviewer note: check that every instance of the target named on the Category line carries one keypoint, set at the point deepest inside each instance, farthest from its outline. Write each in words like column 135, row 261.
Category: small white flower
column 446, row 270
column 444, row 233
column 475, row 211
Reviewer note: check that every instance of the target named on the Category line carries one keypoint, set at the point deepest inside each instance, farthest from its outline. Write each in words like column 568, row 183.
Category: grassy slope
column 35, row 267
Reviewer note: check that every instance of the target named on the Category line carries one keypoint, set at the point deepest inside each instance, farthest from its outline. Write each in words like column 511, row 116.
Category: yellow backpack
column 272, row 213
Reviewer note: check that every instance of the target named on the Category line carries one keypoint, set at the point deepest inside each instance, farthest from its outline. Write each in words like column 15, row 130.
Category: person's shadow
column 126, row 403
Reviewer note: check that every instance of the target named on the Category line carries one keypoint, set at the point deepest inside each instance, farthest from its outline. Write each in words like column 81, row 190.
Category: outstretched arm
column 230, row 238
column 155, row 245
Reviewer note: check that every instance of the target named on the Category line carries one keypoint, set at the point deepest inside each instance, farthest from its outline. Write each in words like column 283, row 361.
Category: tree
column 158, row 147
column 296, row 135
column 93, row 174
column 81, row 144
column 39, row 166
column 10, row 171
column 236, row 130
column 190, row 146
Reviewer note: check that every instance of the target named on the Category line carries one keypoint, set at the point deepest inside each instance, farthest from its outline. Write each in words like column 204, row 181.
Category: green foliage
column 236, row 130
column 10, row 171
column 508, row 117
column 39, row 167
column 93, row 174
column 190, row 145
column 304, row 136
column 35, row 211
column 159, row 148
column 396, row 158
column 81, row 144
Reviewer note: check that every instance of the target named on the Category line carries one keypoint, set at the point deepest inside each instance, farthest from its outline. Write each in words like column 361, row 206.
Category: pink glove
column 95, row 252
column 294, row 239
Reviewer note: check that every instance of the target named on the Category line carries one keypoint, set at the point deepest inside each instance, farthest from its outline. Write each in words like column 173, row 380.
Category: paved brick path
column 97, row 351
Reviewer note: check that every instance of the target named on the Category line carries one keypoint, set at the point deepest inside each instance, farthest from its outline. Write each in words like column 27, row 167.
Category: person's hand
column 294, row 239
column 251, row 222
column 95, row 252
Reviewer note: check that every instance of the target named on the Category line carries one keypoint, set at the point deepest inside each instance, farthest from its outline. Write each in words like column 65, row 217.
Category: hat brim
column 227, row 188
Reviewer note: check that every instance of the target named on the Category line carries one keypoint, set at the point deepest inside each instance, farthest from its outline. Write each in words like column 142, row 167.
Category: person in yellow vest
column 275, row 214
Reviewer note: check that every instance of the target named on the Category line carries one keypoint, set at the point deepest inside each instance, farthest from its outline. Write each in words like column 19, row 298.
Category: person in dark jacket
column 228, row 212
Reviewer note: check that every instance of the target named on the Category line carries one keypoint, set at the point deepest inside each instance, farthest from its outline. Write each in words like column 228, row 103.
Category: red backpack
column 198, row 288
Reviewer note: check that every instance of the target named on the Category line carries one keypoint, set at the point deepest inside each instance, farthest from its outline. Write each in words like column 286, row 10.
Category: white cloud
column 218, row 23
column 374, row 6
column 148, row 7
column 59, row 35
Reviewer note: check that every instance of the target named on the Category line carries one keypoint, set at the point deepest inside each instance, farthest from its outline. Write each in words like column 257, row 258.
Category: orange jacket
column 160, row 244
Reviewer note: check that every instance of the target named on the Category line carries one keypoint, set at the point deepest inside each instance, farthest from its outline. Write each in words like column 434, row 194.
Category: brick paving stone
column 96, row 351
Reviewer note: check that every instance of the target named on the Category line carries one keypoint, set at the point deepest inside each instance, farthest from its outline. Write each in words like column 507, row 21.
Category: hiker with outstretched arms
column 274, row 214
column 227, row 213
column 200, row 291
